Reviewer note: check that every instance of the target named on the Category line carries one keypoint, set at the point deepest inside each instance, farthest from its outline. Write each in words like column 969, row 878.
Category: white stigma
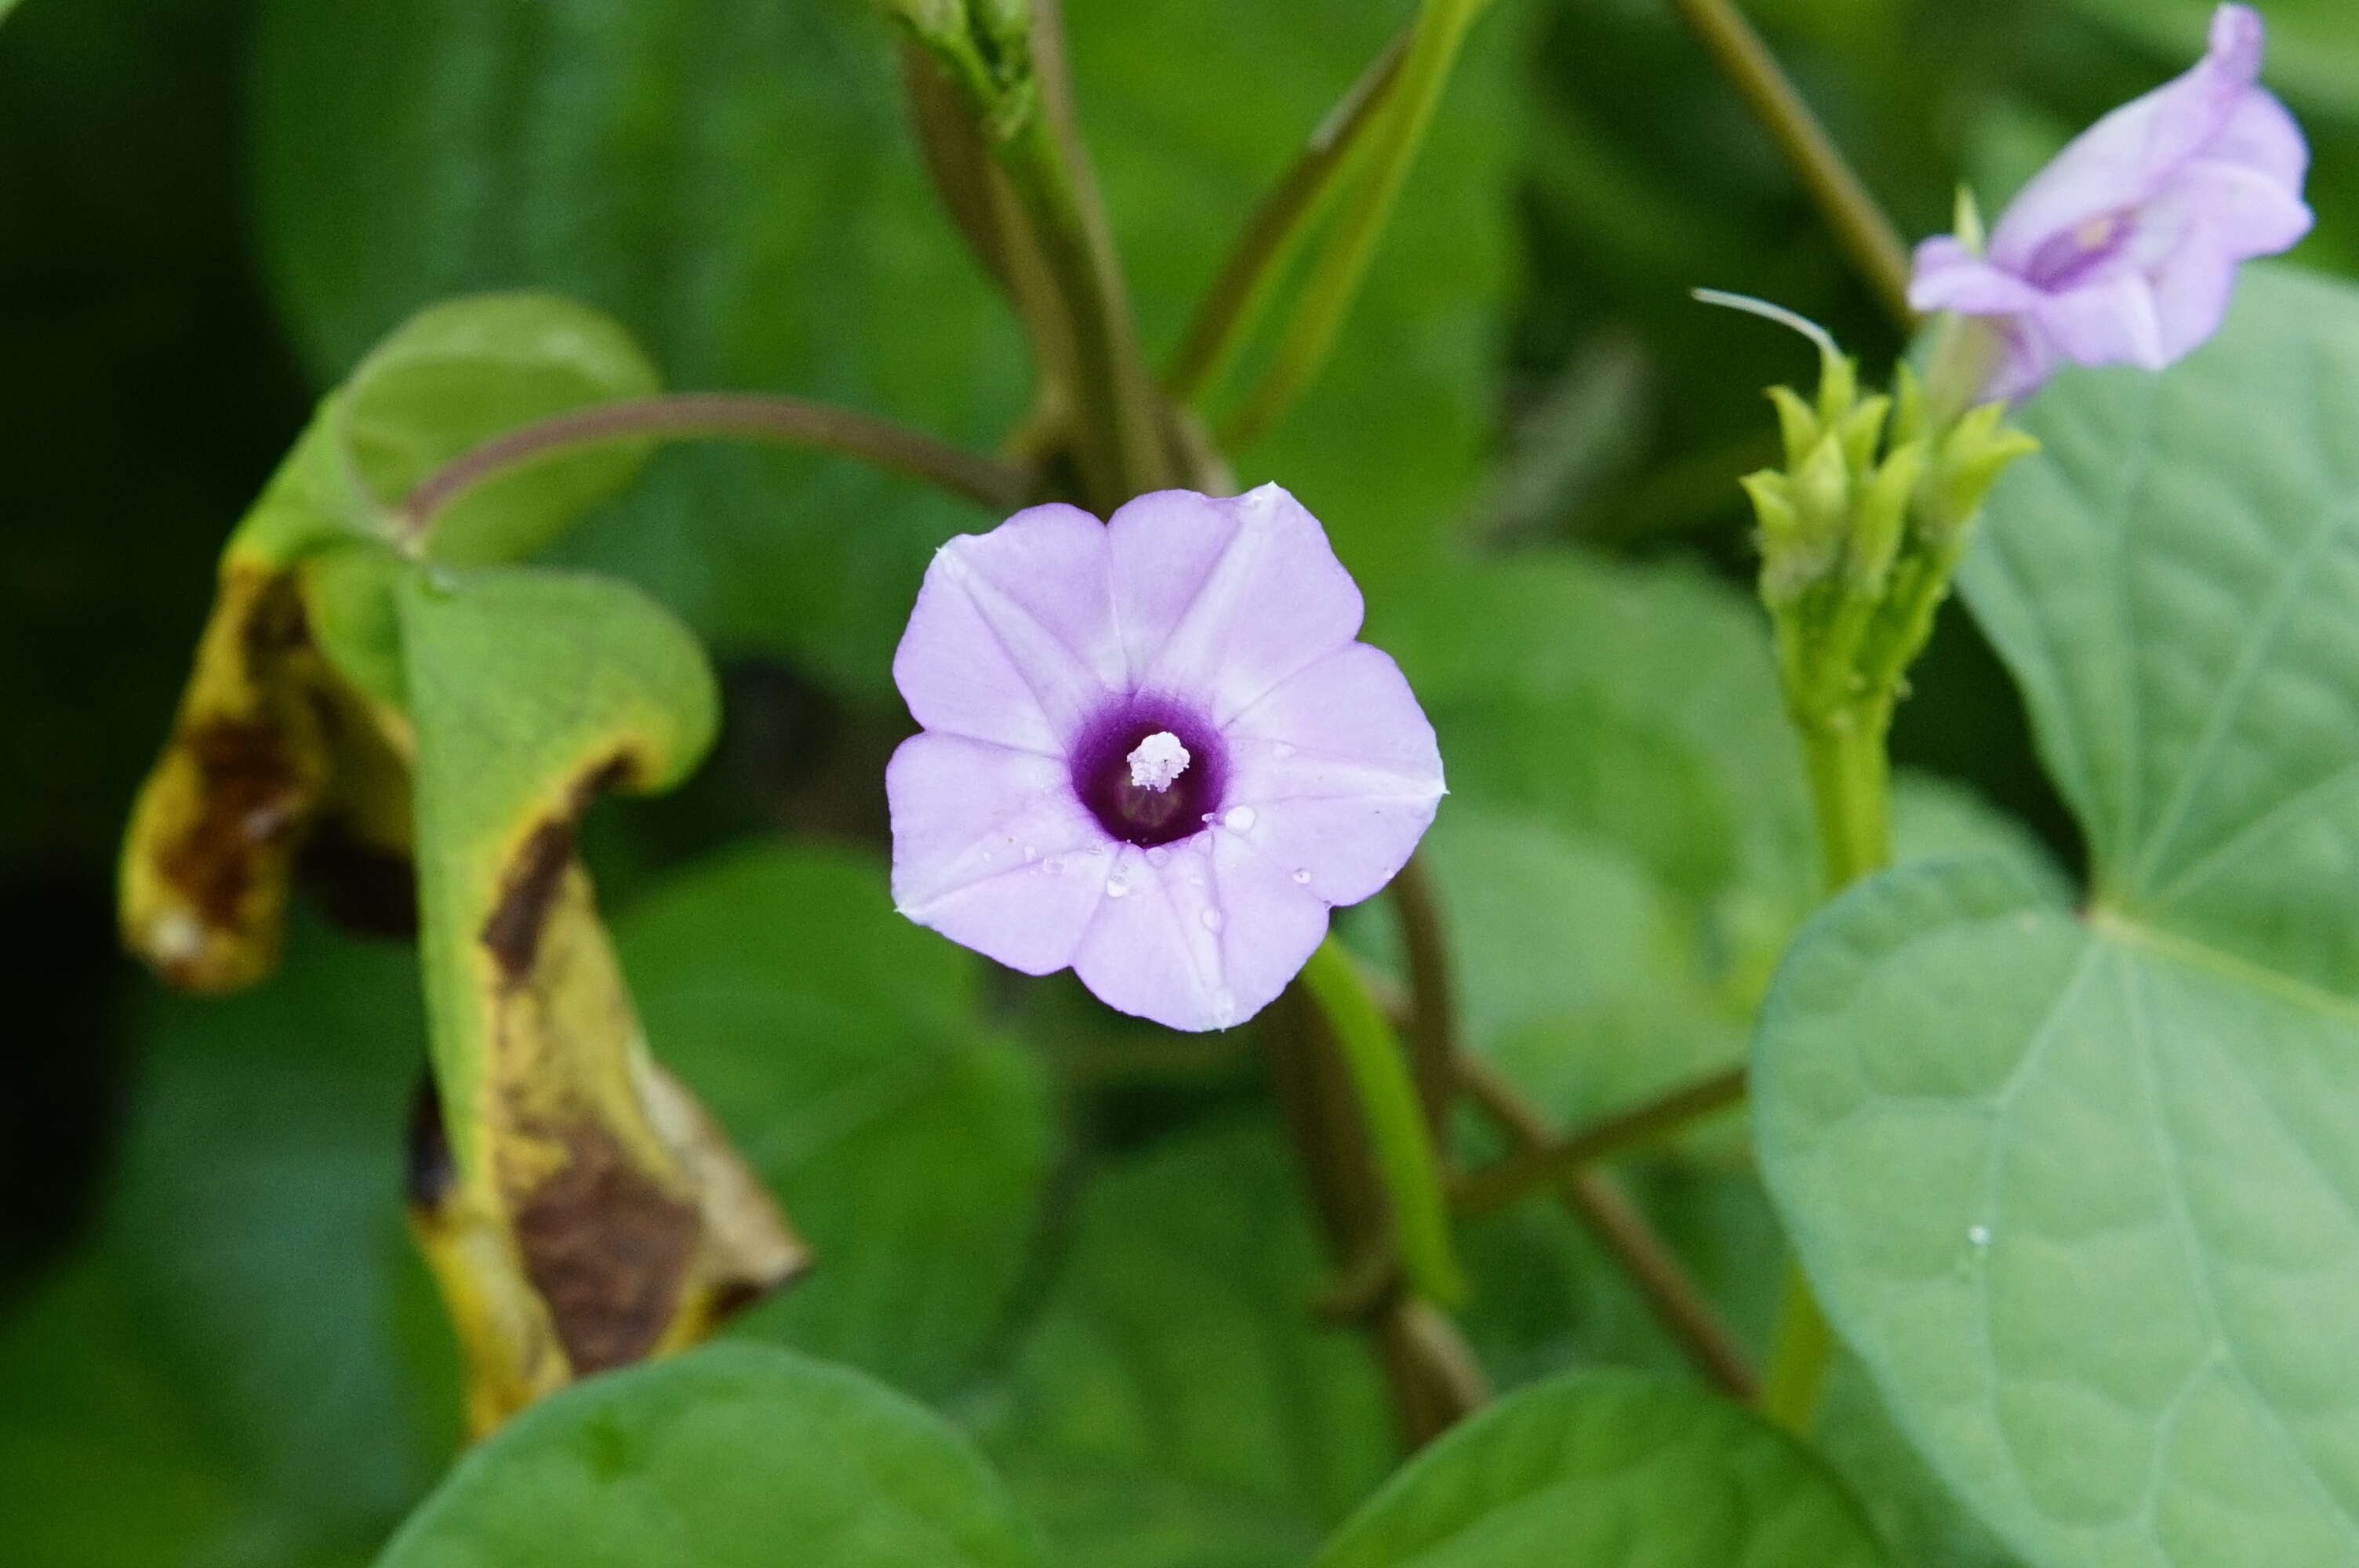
column 1160, row 758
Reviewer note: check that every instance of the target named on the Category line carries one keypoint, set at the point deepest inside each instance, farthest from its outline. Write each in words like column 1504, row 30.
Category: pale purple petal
column 2191, row 292
column 1334, row 774
column 1013, row 638
column 2125, row 157
column 2262, row 136
column 1227, row 598
column 2109, row 322
column 1948, row 276
column 2236, row 209
column 1200, row 935
column 991, row 849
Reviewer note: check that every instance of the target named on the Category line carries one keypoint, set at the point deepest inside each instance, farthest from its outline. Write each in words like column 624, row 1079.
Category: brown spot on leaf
column 607, row 1249
column 251, row 797
column 512, row 931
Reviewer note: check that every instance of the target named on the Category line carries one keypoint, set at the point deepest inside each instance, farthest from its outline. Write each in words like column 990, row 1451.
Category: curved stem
column 1861, row 228
column 1327, row 295
column 718, row 415
column 1599, row 1202
column 1433, row 1000
column 1550, row 1158
column 1277, row 229
column 1398, row 1136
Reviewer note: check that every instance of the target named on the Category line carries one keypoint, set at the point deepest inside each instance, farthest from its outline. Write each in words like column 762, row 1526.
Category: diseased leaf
column 590, row 1215
column 2080, row 1187
column 845, row 1050
column 1610, row 1469
column 1175, row 1405
column 734, row 1456
column 292, row 723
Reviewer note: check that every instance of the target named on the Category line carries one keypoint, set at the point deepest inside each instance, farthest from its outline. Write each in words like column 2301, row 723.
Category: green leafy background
column 1086, row 1253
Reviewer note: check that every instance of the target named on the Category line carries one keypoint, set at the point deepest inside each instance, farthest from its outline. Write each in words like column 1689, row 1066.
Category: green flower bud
column 1791, row 561
column 1838, row 386
column 1909, row 412
column 1858, row 432
column 1822, row 488
column 1798, row 424
column 1972, row 455
column 1881, row 517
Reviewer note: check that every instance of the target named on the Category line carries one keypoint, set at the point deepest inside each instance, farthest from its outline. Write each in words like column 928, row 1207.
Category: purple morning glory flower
column 1152, row 751
column 2124, row 249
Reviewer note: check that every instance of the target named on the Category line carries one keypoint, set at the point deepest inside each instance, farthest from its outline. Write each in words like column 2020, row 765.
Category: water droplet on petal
column 1212, row 919
column 1030, row 854
column 1240, row 819
column 1224, row 1007
column 1053, row 866
column 1283, row 751
column 1303, row 876
column 1116, row 887
column 1157, row 855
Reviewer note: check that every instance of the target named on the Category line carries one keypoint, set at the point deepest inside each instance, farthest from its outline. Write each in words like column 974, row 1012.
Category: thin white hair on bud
column 1769, row 312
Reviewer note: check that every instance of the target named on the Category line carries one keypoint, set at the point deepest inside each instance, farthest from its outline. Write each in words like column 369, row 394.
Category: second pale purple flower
column 1153, row 750
column 2124, row 250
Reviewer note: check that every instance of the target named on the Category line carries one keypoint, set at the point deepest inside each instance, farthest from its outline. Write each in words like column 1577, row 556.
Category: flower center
column 1150, row 768
column 1160, row 758
column 2069, row 258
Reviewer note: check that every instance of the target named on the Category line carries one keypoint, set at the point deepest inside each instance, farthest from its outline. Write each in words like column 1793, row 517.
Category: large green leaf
column 1609, row 1470
column 2080, row 1188
column 1175, row 1405
column 843, row 1048
column 730, row 180
column 732, row 1456
column 248, row 1370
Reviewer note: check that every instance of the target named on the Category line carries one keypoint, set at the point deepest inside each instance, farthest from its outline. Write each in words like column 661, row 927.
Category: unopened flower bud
column 1972, row 455
column 1858, row 432
column 1881, row 517
column 1798, row 424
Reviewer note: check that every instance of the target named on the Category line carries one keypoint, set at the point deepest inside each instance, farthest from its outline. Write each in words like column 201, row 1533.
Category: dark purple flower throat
column 1107, row 780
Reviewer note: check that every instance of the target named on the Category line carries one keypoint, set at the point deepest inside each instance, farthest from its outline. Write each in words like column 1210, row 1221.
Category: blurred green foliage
column 1029, row 1212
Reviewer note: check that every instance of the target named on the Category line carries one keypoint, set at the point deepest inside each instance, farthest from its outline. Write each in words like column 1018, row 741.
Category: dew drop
column 1116, row 887
column 1240, row 818
column 1303, row 876
column 1030, row 854
column 1053, row 866
column 1979, row 1234
column 1157, row 855
column 1224, row 1007
column 1212, row 919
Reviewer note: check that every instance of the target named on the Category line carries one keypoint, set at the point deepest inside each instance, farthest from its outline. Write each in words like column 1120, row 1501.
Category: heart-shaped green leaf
column 1609, row 1470
column 1176, row 1404
column 732, row 1456
column 843, row 1049
column 2083, row 1189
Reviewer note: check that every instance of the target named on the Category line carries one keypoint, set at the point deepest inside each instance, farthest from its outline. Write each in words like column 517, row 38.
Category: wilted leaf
column 584, row 1213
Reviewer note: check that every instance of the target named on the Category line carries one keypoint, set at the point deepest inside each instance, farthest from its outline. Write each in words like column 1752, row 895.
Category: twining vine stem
column 1590, row 1191
column 1397, row 127
column 724, row 416
column 1546, row 1159
column 1276, row 229
column 1617, row 1222
column 1866, row 235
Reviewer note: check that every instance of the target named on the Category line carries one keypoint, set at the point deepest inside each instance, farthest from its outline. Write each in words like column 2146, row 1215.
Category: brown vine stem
column 1600, row 1203
column 724, row 416
column 1861, row 228
column 1553, row 1155
column 1433, row 1003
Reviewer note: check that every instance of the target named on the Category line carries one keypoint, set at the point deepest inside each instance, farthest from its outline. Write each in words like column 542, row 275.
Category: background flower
column 1060, row 665
column 2124, row 249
